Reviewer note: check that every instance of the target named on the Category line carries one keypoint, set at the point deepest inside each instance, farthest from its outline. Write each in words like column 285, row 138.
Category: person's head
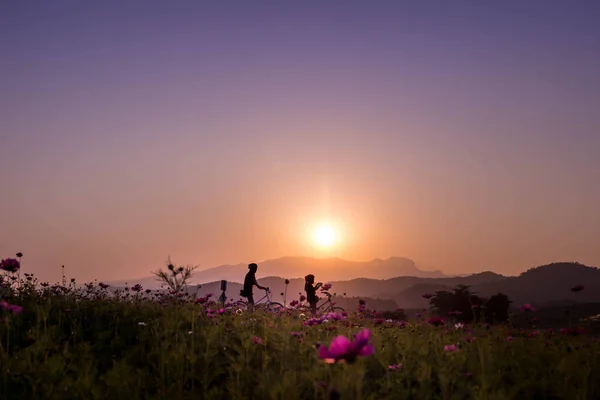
column 253, row 267
column 310, row 279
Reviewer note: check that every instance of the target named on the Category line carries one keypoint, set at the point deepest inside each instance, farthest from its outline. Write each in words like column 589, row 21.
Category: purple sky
column 462, row 134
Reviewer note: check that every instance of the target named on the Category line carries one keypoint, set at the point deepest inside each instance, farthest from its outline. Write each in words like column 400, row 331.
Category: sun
column 324, row 236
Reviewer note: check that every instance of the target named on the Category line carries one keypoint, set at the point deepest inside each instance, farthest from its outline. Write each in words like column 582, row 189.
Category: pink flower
column 451, row 348
column 257, row 340
column 394, row 367
column 571, row 331
column 342, row 349
column 326, row 286
column 454, row 312
column 302, row 298
column 436, row 321
column 137, row 288
column 527, row 308
column 15, row 309
column 10, row 265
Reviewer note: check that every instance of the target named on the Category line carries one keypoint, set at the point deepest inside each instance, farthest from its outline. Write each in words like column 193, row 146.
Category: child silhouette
column 311, row 292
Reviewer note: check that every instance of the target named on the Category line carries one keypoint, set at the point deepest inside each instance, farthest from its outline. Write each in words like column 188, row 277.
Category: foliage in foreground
column 88, row 344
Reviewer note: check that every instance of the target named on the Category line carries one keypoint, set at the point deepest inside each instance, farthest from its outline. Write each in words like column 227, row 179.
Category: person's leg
column 250, row 302
column 313, row 307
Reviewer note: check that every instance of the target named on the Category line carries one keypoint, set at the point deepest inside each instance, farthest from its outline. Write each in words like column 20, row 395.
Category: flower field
column 59, row 342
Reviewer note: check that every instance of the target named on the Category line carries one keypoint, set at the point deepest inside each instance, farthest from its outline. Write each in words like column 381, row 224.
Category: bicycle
column 268, row 305
column 328, row 304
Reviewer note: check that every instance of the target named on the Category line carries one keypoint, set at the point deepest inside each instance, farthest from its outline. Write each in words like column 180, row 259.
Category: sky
column 464, row 135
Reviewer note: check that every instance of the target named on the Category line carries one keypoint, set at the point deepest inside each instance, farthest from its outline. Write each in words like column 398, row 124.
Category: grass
column 69, row 343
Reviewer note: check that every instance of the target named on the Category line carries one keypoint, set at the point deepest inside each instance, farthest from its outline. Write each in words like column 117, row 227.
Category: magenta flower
column 436, row 321
column 571, row 331
column 302, row 298
column 257, row 340
column 451, row 348
column 342, row 349
column 293, row 303
column 10, row 265
column 15, row 309
column 326, row 286
column 395, row 367
column 527, row 308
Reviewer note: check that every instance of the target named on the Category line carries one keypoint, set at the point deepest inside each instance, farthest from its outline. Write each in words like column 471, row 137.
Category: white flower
column 459, row 325
column 190, row 332
column 141, row 323
column 239, row 311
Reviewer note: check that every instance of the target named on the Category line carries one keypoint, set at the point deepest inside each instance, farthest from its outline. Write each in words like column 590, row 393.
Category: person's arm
column 318, row 285
column 258, row 286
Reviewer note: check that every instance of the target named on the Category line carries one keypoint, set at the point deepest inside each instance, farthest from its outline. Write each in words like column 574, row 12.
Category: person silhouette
column 311, row 292
column 249, row 283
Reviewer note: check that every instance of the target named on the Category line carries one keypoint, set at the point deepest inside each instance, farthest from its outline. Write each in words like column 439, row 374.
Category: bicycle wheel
column 265, row 307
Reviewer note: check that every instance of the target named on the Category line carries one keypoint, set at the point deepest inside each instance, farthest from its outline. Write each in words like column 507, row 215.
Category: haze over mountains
column 542, row 286
column 328, row 269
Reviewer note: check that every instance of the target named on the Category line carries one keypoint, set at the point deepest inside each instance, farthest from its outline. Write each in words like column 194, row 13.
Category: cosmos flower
column 15, row 309
column 394, row 367
column 527, row 308
column 451, row 348
column 342, row 349
column 10, row 265
column 436, row 321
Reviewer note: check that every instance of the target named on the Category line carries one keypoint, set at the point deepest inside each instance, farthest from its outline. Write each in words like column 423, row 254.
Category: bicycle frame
column 268, row 302
column 326, row 302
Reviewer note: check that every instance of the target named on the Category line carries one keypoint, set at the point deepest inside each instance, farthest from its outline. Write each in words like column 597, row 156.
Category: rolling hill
column 329, row 269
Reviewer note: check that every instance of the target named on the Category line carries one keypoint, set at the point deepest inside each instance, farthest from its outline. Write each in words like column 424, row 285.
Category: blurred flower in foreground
column 395, row 367
column 436, row 321
column 527, row 308
column 451, row 348
column 342, row 349
column 15, row 309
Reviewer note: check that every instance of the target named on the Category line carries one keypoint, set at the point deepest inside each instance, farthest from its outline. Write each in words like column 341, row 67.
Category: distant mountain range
column 544, row 286
column 329, row 269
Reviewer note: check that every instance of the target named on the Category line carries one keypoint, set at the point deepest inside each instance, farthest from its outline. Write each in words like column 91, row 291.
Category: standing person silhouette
column 249, row 283
column 311, row 292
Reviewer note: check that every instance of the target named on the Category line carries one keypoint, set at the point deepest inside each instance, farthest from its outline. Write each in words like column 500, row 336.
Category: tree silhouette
column 176, row 278
column 465, row 306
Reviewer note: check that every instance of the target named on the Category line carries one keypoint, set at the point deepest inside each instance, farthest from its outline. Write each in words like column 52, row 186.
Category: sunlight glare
column 324, row 236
